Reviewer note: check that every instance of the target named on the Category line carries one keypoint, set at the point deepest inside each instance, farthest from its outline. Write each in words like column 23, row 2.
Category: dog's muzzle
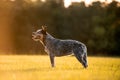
column 33, row 35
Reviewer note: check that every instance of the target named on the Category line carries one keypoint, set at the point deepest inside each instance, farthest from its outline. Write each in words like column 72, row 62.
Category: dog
column 57, row 47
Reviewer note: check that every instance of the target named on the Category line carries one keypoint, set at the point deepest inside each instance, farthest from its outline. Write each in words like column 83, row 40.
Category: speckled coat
column 57, row 47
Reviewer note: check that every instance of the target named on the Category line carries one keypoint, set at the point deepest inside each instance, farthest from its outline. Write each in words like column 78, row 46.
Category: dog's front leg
column 52, row 59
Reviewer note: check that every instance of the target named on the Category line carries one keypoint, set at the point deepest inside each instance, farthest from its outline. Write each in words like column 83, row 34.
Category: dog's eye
column 38, row 32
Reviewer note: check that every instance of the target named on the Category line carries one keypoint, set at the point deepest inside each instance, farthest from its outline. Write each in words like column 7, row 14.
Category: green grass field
column 67, row 68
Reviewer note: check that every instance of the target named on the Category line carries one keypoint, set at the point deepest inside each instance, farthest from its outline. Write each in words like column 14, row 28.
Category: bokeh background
column 97, row 24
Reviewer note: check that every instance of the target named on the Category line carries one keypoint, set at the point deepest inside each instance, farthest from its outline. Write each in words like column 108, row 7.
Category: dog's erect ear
column 44, row 28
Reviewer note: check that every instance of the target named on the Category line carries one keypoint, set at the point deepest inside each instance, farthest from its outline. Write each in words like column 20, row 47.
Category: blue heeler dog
column 56, row 47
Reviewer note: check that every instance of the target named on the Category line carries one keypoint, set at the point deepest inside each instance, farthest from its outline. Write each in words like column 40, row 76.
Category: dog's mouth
column 33, row 36
column 36, row 37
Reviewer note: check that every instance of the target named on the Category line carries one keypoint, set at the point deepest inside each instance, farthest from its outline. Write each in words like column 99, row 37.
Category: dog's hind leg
column 80, row 55
column 52, row 60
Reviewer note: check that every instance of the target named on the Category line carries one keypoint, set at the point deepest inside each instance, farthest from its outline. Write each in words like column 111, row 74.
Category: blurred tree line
column 98, row 25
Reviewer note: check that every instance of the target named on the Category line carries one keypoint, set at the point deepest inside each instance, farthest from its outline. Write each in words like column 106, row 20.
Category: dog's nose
column 33, row 33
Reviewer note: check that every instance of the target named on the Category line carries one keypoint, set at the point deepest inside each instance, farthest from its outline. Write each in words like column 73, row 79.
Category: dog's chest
column 46, row 50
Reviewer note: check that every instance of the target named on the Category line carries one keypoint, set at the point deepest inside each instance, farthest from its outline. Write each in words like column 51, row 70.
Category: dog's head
column 39, row 34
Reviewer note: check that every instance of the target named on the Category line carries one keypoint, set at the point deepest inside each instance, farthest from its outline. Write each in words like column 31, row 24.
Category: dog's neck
column 43, row 40
column 46, row 39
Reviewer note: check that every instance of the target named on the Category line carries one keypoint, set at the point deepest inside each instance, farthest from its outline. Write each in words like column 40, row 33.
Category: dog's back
column 63, row 47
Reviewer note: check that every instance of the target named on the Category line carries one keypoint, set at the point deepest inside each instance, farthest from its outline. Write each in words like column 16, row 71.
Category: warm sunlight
column 87, row 2
column 43, row 0
column 33, row 0
column 67, row 3
column 12, row 0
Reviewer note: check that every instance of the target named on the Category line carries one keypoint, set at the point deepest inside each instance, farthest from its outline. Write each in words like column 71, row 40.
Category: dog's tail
column 80, row 53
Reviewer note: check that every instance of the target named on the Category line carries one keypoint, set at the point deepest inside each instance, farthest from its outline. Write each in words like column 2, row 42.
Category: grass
column 25, row 67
